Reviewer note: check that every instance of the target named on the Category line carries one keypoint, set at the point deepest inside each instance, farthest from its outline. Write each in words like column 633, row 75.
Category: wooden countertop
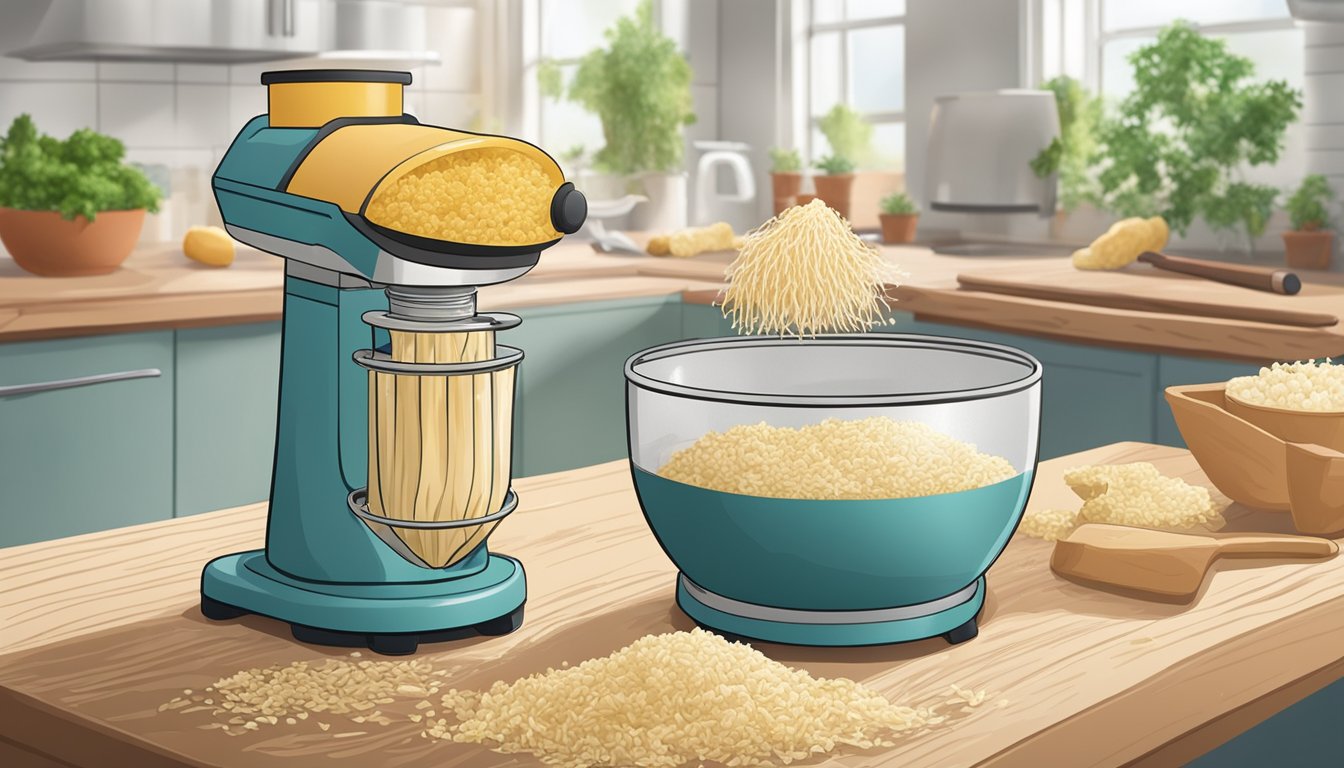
column 101, row 629
column 158, row 288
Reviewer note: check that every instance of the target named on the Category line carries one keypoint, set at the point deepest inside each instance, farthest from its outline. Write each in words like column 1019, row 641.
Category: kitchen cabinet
column 1090, row 396
column 702, row 321
column 570, row 401
column 86, row 434
column 227, row 388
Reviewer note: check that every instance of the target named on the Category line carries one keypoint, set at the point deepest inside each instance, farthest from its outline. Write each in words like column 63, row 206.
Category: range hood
column 219, row 31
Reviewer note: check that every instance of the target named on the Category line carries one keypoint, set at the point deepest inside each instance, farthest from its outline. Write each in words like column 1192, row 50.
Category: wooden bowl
column 1324, row 428
column 45, row 244
column 1256, row 467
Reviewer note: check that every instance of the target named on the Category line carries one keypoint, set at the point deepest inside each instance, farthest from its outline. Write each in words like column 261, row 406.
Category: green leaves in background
column 850, row 137
column 640, row 87
column 898, row 203
column 785, row 160
column 79, row 176
column 1178, row 143
column 1307, row 205
column 1072, row 153
column 834, row 165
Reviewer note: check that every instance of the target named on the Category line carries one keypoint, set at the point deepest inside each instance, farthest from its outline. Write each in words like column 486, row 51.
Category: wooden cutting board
column 1140, row 287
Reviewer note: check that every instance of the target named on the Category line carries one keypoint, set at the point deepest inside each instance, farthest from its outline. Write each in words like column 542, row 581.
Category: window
column 566, row 31
column 1091, row 40
column 856, row 53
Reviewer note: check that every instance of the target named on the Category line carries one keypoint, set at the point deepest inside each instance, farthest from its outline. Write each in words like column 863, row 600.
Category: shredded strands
column 291, row 693
column 666, row 700
column 805, row 272
column 1126, row 494
column 1300, row 386
column 873, row 458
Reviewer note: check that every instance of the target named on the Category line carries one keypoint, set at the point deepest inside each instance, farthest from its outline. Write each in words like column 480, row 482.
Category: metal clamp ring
column 381, row 361
column 359, row 504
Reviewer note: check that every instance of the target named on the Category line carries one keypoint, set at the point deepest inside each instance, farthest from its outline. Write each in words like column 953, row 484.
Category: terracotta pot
column 45, row 244
column 1308, row 249
column 898, row 227
column 834, row 190
column 786, row 187
column 804, row 199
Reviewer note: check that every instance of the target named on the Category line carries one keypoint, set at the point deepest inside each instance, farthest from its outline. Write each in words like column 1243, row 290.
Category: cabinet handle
column 78, row 381
column 289, row 18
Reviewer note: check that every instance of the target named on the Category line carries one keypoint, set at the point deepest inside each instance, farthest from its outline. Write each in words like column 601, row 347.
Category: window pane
column 873, row 9
column 824, row 11
column 565, row 124
column 820, row 148
column 572, row 28
column 1129, row 14
column 1278, row 54
column 888, row 147
column 1117, row 74
column 876, row 69
column 825, row 66
column 1051, row 43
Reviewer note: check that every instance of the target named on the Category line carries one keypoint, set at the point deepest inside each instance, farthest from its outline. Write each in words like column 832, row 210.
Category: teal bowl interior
column 831, row 555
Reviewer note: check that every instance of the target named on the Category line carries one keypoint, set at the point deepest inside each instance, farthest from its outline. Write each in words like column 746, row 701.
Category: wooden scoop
column 1168, row 565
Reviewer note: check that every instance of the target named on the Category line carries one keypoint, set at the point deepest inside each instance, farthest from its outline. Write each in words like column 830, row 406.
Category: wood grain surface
column 160, row 288
column 102, row 629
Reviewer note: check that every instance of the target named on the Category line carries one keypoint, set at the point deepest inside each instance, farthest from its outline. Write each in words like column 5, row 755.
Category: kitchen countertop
column 159, row 288
column 97, row 631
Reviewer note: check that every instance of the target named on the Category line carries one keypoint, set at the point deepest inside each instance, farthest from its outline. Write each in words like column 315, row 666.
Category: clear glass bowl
column 832, row 554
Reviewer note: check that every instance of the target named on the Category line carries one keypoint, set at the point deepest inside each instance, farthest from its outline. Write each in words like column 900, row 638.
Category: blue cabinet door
column 227, row 388
column 75, row 459
column 702, row 321
column 570, row 404
column 1090, row 396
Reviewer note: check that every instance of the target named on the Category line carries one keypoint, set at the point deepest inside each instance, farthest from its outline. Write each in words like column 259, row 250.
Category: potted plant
column 850, row 138
column 69, row 207
column 1179, row 143
column 899, row 217
column 836, row 185
column 786, row 177
column 639, row 86
column 1308, row 246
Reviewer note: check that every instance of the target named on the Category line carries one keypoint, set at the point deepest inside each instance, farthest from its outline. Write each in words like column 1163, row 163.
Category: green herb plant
column 640, row 87
column 79, row 176
column 898, row 203
column 835, row 165
column 1072, row 152
column 1307, row 206
column 785, row 161
column 849, row 135
column 1196, row 117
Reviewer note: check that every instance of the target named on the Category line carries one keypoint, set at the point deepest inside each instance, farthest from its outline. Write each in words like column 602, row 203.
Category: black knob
column 568, row 209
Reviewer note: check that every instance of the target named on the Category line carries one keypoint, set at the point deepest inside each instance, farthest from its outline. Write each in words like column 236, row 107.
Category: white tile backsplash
column 202, row 115
column 202, row 73
column 135, row 72
column 450, row 110
column 58, row 108
column 140, row 114
column 453, row 33
column 18, row 69
column 245, row 103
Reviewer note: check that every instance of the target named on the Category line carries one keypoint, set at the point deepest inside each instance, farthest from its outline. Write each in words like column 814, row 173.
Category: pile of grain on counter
column 349, row 690
column 667, row 700
column 872, row 458
column 1300, row 386
column 1125, row 494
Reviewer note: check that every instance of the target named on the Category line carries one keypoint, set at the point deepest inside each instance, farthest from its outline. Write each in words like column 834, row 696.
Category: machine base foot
column 217, row 611
column 961, row 634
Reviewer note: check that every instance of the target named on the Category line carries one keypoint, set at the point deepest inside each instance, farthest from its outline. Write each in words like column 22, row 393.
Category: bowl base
column 952, row 617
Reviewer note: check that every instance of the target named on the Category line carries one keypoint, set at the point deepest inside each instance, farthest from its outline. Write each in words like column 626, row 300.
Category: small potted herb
column 899, row 218
column 835, row 187
column 69, row 207
column 1308, row 245
column 786, row 177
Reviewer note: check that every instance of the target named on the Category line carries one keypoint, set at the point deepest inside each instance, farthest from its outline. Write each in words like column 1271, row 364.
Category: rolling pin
column 1169, row 566
column 1272, row 280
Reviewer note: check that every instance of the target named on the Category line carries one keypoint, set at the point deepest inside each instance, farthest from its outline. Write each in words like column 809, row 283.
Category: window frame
column 810, row 30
